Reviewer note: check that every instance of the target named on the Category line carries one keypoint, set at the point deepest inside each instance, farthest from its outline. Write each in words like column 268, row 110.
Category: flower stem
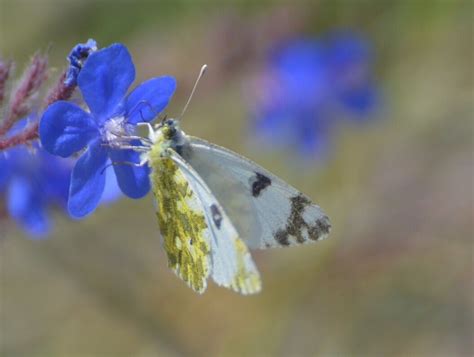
column 24, row 137
column 20, row 101
column 60, row 91
column 5, row 68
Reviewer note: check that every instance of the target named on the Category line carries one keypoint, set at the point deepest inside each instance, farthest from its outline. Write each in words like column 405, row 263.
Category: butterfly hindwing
column 232, row 264
column 183, row 225
column 266, row 210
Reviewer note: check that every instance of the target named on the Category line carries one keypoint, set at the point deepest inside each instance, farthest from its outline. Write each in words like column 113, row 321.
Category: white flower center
column 114, row 131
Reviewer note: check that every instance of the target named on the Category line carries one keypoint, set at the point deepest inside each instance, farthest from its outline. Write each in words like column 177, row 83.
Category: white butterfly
column 213, row 205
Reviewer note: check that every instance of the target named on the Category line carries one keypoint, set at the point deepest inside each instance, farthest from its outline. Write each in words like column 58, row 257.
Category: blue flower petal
column 21, row 124
column 133, row 181
column 26, row 207
column 56, row 176
column 348, row 49
column 105, row 79
column 76, row 58
column 314, row 140
column 275, row 127
column 149, row 99
column 359, row 100
column 112, row 190
column 4, row 173
column 87, row 181
column 65, row 129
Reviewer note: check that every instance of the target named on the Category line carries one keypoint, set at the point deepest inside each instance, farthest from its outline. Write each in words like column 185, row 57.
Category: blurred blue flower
column 310, row 83
column 30, row 181
column 65, row 128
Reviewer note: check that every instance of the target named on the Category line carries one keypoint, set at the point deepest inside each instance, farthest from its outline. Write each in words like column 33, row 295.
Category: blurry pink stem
column 5, row 68
column 59, row 92
column 25, row 136
column 29, row 85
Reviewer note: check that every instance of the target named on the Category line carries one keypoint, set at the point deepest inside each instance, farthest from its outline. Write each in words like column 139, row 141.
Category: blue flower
column 66, row 129
column 76, row 59
column 308, row 84
column 349, row 59
column 31, row 180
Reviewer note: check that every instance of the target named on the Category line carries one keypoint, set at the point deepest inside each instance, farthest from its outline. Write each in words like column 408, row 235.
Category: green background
column 395, row 278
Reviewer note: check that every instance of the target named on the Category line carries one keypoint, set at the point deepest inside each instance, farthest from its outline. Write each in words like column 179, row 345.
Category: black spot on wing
column 281, row 237
column 216, row 215
column 259, row 183
column 320, row 228
column 296, row 223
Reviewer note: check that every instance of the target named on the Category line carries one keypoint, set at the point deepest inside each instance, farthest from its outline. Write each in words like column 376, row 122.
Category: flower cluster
column 103, row 132
column 307, row 85
column 34, row 176
column 32, row 180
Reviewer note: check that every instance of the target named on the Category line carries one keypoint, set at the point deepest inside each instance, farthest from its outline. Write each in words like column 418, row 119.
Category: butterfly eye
column 169, row 131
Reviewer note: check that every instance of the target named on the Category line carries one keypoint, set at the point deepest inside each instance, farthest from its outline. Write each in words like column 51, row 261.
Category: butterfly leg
column 142, row 163
column 151, row 131
column 126, row 146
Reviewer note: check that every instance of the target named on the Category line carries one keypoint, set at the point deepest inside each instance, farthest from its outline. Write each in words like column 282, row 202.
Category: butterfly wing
column 183, row 225
column 232, row 264
column 266, row 211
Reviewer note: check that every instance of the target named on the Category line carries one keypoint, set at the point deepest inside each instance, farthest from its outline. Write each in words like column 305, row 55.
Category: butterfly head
column 168, row 134
column 169, row 128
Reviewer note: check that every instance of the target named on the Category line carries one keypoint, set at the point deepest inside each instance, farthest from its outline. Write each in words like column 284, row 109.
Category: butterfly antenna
column 201, row 73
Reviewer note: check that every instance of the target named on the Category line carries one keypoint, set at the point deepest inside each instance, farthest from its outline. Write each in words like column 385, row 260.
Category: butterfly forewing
column 266, row 211
column 232, row 264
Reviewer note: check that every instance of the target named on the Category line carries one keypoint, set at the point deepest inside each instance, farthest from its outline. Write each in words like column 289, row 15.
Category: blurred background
column 395, row 278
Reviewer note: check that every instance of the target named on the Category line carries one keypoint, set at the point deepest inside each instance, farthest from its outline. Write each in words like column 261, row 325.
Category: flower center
column 115, row 131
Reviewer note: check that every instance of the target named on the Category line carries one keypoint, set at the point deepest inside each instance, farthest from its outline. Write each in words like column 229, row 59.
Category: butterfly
column 213, row 205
